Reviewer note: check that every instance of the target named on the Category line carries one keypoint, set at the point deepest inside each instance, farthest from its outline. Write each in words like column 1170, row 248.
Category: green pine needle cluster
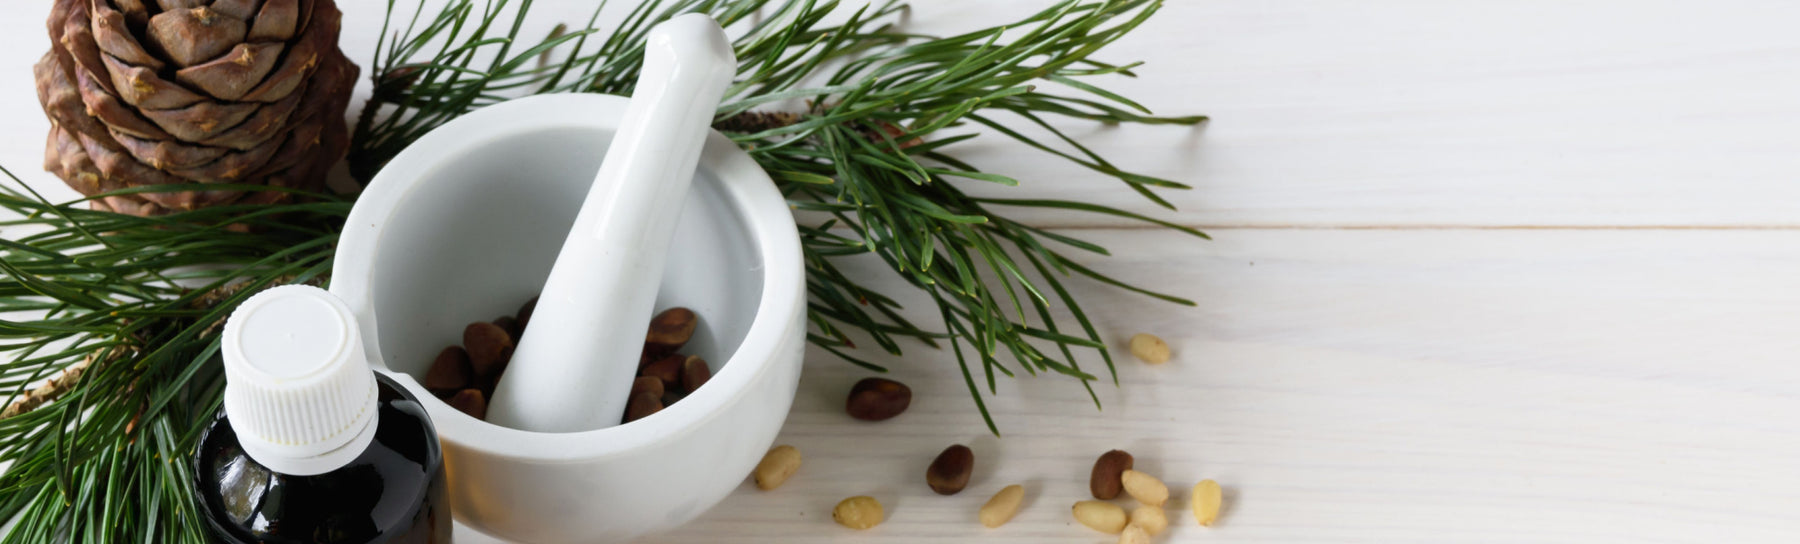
column 106, row 461
column 855, row 120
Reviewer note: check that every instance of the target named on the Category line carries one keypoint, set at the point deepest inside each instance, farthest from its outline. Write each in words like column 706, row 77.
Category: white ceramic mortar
column 464, row 225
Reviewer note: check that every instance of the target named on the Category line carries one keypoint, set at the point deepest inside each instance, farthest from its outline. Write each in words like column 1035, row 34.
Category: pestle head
column 573, row 368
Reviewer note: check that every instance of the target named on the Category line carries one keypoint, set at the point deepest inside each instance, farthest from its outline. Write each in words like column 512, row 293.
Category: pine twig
column 62, row 383
column 751, row 122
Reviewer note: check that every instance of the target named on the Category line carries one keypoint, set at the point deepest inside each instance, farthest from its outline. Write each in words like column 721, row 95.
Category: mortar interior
column 479, row 233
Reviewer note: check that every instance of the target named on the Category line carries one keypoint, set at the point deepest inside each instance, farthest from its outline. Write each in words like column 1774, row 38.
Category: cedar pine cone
column 142, row 93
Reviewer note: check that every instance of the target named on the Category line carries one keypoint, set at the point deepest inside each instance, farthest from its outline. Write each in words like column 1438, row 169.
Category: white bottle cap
column 298, row 389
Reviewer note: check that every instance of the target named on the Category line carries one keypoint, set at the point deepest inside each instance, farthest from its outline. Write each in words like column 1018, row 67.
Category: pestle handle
column 574, row 365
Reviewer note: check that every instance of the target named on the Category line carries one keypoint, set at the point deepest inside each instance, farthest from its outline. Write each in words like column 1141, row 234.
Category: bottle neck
column 312, row 465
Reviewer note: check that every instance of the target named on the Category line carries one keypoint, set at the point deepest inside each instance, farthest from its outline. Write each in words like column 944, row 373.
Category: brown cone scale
column 146, row 93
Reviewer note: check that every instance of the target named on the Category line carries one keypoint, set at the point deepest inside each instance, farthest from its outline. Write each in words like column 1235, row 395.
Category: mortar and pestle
column 515, row 199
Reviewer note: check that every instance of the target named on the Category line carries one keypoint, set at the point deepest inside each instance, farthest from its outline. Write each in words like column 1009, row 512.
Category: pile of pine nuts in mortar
column 464, row 376
column 878, row 399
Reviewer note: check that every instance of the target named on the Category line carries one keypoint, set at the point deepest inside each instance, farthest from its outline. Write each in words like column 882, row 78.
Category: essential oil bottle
column 312, row 446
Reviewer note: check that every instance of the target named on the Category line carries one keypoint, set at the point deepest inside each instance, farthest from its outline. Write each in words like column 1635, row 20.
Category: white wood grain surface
column 1484, row 272
column 1367, row 386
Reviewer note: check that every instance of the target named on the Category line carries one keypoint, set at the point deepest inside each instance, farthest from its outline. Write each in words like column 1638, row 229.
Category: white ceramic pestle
column 573, row 367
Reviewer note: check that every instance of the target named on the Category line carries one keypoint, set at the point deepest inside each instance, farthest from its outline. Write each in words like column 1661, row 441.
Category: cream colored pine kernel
column 1145, row 488
column 860, row 513
column 1151, row 518
column 1149, row 348
column 1003, row 506
column 1134, row 535
column 776, row 466
column 1100, row 516
column 1208, row 497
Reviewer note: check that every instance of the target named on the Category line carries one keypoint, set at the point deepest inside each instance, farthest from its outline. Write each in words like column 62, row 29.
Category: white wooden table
column 1483, row 272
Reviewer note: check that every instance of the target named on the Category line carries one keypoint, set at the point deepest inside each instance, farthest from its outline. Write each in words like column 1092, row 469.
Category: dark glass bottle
column 392, row 493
